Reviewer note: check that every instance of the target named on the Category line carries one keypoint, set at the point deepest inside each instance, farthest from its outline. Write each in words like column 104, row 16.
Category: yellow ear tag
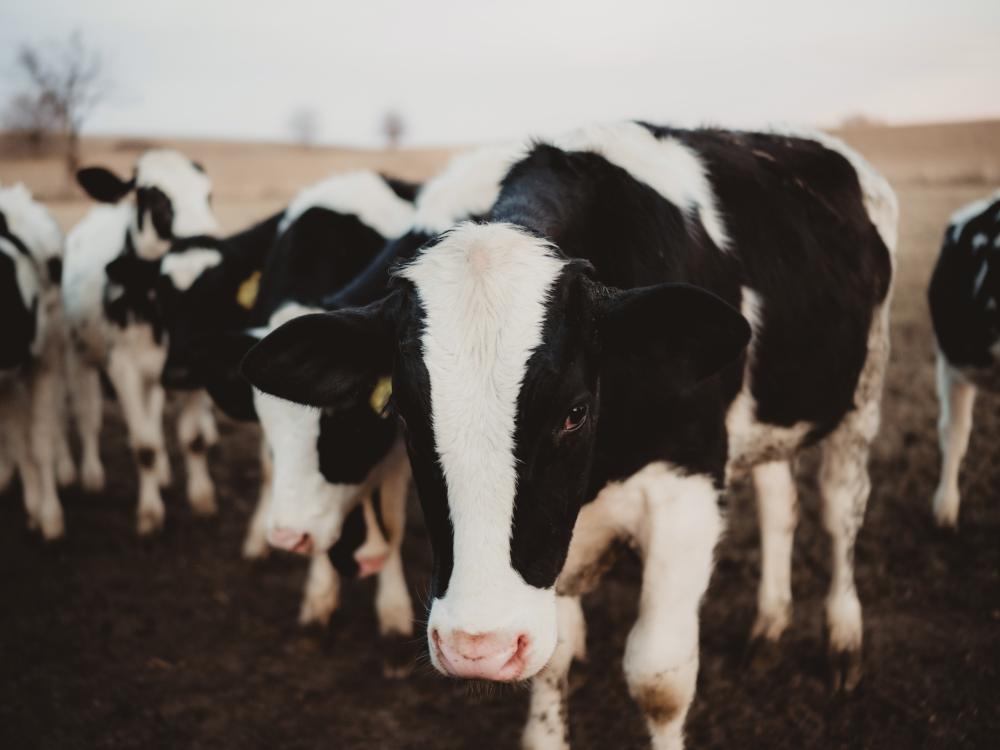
column 247, row 292
column 380, row 395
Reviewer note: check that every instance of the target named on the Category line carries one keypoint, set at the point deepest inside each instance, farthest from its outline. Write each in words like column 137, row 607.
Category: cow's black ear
column 219, row 358
column 103, row 185
column 324, row 359
column 688, row 329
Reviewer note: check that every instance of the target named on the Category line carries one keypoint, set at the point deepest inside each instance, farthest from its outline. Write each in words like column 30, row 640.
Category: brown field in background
column 107, row 641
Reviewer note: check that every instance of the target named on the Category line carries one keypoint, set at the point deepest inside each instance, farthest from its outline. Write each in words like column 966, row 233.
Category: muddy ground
column 108, row 641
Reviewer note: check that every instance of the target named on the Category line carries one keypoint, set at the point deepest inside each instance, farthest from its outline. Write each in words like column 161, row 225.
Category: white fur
column 968, row 212
column 31, row 222
column 774, row 484
column 467, row 186
column 187, row 188
column 957, row 396
column 484, row 290
column 980, row 240
column 668, row 166
column 184, row 268
column 364, row 194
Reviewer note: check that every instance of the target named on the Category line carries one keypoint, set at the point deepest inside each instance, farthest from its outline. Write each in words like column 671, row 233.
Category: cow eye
column 575, row 418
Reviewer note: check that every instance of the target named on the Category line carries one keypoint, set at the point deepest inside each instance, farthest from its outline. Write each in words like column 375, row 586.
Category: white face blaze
column 484, row 291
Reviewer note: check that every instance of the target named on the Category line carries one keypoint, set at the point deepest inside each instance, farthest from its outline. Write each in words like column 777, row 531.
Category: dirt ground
column 108, row 641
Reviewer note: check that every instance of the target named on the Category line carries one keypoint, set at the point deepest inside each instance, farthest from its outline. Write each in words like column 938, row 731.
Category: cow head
column 172, row 198
column 497, row 345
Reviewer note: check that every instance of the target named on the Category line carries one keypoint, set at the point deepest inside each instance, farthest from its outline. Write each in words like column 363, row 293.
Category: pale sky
column 467, row 70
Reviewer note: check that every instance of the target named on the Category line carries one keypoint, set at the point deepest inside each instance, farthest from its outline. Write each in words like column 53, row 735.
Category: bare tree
column 393, row 128
column 63, row 84
column 304, row 126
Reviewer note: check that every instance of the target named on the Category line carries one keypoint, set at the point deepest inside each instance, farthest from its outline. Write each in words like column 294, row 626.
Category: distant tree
column 63, row 84
column 393, row 128
column 304, row 126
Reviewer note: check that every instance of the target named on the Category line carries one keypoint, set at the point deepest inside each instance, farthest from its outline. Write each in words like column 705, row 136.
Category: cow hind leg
column 956, row 397
column 42, row 433
column 193, row 435
column 845, row 486
column 777, row 511
column 155, row 398
column 548, row 716
column 392, row 598
column 86, row 401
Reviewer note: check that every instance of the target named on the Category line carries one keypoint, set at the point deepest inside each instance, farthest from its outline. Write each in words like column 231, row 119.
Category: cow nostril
column 289, row 539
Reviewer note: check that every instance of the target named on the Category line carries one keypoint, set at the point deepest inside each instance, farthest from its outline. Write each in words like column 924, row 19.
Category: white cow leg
column 844, row 486
column 15, row 415
column 322, row 592
column 255, row 543
column 42, row 431
column 191, row 435
column 548, row 715
column 85, row 398
column 956, row 397
column 393, row 605
column 156, row 398
column 777, row 513
column 65, row 465
column 677, row 540
column 146, row 439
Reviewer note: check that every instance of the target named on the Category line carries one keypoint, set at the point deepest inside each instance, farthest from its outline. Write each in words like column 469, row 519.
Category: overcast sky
column 460, row 71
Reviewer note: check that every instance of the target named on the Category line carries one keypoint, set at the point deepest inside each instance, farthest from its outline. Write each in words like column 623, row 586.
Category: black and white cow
column 571, row 373
column 116, row 323
column 32, row 424
column 964, row 298
column 347, row 466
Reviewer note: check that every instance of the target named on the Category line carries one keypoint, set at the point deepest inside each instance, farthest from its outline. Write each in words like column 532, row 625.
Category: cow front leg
column 155, row 399
column 677, row 542
column 393, row 605
column 322, row 593
column 87, row 405
column 776, row 510
column 548, row 715
column 956, row 397
column 255, row 543
column 145, row 436
column 43, row 430
column 194, row 441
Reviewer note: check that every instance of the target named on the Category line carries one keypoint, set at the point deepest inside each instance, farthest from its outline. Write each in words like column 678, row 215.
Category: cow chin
column 490, row 634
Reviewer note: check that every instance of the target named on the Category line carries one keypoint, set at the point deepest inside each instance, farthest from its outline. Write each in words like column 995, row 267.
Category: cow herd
column 568, row 346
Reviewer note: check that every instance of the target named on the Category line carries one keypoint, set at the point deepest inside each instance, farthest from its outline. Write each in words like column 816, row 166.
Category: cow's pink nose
column 291, row 540
column 498, row 656
column 369, row 566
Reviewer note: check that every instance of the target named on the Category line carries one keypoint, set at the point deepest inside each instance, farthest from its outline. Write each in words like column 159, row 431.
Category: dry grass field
column 107, row 641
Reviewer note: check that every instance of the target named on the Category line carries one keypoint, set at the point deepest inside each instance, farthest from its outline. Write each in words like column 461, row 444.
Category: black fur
column 103, row 185
column 19, row 316
column 966, row 319
column 131, row 297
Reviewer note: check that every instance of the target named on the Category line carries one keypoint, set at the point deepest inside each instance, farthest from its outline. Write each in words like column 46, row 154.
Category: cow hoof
column 93, row 479
column 317, row 608
column 52, row 526
column 150, row 521
column 945, row 505
column 66, row 474
column 760, row 655
column 202, row 500
column 255, row 547
column 845, row 669
column 398, row 658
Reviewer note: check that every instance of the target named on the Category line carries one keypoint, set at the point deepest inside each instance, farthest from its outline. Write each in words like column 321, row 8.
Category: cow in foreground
column 32, row 341
column 116, row 323
column 964, row 298
column 571, row 373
